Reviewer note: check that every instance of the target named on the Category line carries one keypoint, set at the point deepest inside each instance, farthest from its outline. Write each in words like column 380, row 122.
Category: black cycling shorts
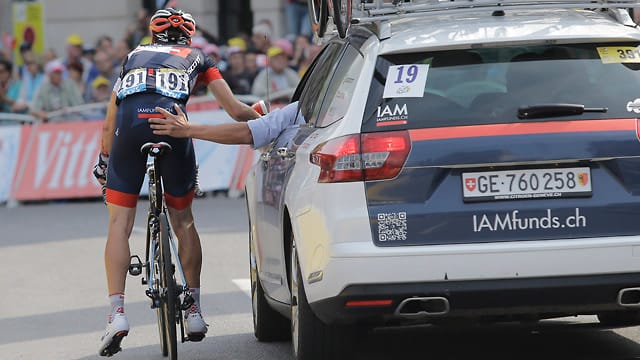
column 127, row 165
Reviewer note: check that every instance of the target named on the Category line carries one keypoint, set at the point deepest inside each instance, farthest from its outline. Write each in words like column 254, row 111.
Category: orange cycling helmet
column 171, row 26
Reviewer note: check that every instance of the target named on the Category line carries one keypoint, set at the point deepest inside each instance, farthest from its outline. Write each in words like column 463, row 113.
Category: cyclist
column 160, row 74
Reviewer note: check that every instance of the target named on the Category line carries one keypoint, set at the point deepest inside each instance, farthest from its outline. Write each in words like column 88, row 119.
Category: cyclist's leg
column 178, row 174
column 125, row 174
column 189, row 246
column 117, row 254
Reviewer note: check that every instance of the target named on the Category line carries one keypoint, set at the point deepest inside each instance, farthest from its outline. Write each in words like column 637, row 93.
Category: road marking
column 244, row 285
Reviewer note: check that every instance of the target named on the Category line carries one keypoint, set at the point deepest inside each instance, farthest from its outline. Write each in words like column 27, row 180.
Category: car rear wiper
column 550, row 110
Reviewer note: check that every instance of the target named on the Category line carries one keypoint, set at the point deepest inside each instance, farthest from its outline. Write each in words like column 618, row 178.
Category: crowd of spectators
column 46, row 85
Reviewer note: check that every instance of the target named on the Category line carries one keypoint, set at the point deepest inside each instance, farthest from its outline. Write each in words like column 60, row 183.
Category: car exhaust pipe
column 629, row 297
column 416, row 307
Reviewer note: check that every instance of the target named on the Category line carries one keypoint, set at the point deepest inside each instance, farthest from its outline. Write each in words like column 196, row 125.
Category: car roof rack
column 378, row 11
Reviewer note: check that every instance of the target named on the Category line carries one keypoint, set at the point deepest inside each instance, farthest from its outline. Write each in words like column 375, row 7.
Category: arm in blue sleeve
column 265, row 129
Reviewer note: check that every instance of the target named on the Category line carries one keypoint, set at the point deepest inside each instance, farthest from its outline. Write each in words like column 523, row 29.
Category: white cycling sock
column 117, row 304
column 195, row 292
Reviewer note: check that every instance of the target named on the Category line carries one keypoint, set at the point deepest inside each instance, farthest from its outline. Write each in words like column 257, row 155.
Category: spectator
column 213, row 52
column 49, row 55
column 121, row 50
column 286, row 46
column 101, row 89
column 251, row 64
column 29, row 84
column 236, row 75
column 103, row 63
column 26, row 55
column 301, row 48
column 75, row 71
column 238, row 41
column 100, row 93
column 277, row 77
column 75, row 53
column 8, row 87
column 261, row 37
column 139, row 29
column 297, row 16
column 55, row 93
column 105, row 43
column 314, row 50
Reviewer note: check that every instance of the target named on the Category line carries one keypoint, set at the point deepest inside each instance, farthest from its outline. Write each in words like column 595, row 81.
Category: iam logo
column 470, row 183
column 583, row 178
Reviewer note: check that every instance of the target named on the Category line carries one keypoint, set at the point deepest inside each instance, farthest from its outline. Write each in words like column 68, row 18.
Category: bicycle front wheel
column 168, row 284
column 318, row 15
column 342, row 15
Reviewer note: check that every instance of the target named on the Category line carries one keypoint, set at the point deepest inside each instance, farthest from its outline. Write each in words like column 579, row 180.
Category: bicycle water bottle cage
column 155, row 149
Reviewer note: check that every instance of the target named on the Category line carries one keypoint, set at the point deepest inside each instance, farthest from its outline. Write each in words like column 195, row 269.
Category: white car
column 470, row 160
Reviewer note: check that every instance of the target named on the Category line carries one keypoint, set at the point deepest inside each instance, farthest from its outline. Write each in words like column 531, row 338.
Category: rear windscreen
column 488, row 86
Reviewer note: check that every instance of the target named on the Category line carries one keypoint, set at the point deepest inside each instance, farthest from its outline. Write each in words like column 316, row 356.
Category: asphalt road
column 54, row 301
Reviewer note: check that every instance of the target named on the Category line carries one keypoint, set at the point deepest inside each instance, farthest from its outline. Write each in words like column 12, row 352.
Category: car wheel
column 268, row 324
column 311, row 339
column 619, row 318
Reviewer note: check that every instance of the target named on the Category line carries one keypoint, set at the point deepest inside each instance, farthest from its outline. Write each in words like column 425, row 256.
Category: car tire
column 619, row 318
column 268, row 324
column 311, row 339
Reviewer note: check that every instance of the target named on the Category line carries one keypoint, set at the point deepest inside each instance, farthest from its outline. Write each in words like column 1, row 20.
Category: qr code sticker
column 392, row 226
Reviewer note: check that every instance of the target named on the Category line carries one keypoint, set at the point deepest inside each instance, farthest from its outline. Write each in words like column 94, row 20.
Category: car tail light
column 373, row 156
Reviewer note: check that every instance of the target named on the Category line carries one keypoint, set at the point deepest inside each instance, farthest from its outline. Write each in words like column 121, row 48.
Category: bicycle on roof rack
column 343, row 13
column 162, row 263
column 339, row 10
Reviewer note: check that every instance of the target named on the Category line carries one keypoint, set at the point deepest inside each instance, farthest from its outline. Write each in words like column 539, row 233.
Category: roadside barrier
column 54, row 160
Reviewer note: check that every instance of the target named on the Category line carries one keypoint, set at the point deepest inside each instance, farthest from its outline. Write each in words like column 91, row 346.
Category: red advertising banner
column 56, row 161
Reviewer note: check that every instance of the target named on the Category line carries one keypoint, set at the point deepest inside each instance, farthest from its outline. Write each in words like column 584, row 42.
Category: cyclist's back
column 156, row 75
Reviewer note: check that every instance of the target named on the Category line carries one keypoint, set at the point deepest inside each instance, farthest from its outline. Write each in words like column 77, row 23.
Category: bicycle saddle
column 155, row 149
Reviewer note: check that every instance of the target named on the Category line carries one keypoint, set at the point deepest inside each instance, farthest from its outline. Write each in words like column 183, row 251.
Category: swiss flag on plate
column 470, row 183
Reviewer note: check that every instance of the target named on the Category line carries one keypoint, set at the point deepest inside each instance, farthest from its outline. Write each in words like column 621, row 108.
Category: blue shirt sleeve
column 265, row 129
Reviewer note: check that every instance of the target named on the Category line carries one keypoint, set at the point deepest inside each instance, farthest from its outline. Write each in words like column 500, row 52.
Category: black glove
column 100, row 169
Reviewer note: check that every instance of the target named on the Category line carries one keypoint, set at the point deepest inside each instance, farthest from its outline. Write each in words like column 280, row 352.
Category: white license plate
column 526, row 184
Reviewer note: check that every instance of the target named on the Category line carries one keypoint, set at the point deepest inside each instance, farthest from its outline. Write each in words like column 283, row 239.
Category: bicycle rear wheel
column 152, row 258
column 169, row 295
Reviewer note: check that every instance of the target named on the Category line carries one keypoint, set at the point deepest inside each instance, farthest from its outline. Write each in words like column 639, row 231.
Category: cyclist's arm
column 178, row 126
column 238, row 110
column 109, row 125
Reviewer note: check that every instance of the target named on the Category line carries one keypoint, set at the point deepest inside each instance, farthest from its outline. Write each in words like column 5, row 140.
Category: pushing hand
column 175, row 125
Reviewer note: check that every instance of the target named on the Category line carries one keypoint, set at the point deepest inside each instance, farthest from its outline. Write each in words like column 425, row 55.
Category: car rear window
column 488, row 85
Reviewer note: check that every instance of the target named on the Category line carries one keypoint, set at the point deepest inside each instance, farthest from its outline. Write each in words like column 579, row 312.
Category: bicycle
column 168, row 297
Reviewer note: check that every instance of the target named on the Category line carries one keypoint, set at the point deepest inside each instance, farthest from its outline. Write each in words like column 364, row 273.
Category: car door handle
column 265, row 156
column 284, row 153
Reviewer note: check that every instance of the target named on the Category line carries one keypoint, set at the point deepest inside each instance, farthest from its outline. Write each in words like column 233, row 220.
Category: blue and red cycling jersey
column 154, row 76
column 169, row 70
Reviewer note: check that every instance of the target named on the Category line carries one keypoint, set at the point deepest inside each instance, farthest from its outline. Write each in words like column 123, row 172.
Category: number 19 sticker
column 406, row 81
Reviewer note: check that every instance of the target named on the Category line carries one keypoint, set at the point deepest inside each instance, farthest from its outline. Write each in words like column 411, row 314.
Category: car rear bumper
column 523, row 298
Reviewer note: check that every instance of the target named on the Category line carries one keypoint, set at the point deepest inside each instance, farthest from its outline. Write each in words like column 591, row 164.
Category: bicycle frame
column 156, row 207
column 167, row 296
